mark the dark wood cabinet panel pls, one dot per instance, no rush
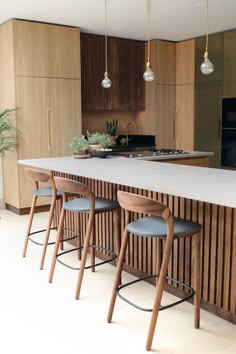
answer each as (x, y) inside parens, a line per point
(125, 67)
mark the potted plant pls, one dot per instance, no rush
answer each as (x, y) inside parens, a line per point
(98, 140)
(112, 127)
(8, 132)
(79, 145)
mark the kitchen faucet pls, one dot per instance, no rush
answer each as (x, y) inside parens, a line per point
(127, 133)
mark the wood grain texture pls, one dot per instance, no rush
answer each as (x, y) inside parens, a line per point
(30, 48)
(63, 52)
(165, 116)
(185, 59)
(218, 248)
(184, 118)
(49, 113)
(125, 68)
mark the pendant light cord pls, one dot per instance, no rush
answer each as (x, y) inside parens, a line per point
(206, 25)
(148, 10)
(106, 35)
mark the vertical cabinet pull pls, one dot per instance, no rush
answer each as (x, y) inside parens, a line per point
(49, 129)
(174, 129)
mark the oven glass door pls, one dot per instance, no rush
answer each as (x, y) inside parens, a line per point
(228, 156)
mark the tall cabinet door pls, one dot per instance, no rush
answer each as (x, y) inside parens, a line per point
(165, 113)
(65, 114)
(33, 103)
(30, 48)
(32, 100)
(64, 52)
(207, 129)
(184, 119)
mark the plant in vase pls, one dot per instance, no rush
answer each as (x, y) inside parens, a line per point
(112, 129)
(8, 132)
(98, 140)
(79, 145)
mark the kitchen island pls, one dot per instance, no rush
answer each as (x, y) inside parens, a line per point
(205, 195)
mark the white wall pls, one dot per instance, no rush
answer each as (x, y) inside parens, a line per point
(1, 188)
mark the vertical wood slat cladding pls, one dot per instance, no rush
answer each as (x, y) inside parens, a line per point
(126, 61)
(218, 247)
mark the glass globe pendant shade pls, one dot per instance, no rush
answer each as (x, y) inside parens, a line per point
(207, 66)
(106, 82)
(148, 74)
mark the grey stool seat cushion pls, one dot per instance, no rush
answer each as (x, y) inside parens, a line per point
(154, 226)
(45, 192)
(82, 205)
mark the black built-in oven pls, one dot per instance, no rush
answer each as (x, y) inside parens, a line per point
(228, 143)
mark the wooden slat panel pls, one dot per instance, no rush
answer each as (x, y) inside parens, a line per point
(233, 268)
(218, 247)
(227, 259)
(220, 258)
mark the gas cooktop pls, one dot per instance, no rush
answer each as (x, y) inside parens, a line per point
(154, 152)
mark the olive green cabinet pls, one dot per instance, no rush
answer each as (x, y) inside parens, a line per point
(207, 124)
(229, 73)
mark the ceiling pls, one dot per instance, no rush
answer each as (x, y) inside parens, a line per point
(172, 20)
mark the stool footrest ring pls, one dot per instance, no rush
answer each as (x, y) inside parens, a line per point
(113, 257)
(53, 242)
(192, 292)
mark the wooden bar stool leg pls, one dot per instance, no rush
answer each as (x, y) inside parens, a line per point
(159, 291)
(196, 246)
(87, 241)
(117, 235)
(46, 239)
(93, 242)
(57, 243)
(118, 274)
(32, 209)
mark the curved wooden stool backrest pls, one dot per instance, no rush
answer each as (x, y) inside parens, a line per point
(37, 176)
(140, 204)
(69, 187)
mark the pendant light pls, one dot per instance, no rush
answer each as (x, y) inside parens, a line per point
(106, 82)
(148, 74)
(207, 66)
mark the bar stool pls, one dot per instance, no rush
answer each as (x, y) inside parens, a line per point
(158, 224)
(87, 203)
(49, 192)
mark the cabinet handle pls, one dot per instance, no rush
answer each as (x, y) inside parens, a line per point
(173, 127)
(49, 129)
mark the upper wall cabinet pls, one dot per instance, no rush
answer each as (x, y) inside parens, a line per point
(126, 62)
(229, 82)
(46, 50)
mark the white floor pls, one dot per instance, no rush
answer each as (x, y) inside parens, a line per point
(38, 317)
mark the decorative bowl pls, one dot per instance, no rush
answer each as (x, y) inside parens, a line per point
(102, 153)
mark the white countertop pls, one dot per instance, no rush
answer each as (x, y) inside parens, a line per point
(211, 185)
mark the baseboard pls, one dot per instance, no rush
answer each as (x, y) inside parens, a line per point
(23, 211)
(2, 204)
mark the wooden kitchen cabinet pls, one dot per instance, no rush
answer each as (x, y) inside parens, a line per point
(165, 117)
(45, 50)
(126, 61)
(199, 98)
(184, 117)
(207, 126)
(47, 95)
(229, 74)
